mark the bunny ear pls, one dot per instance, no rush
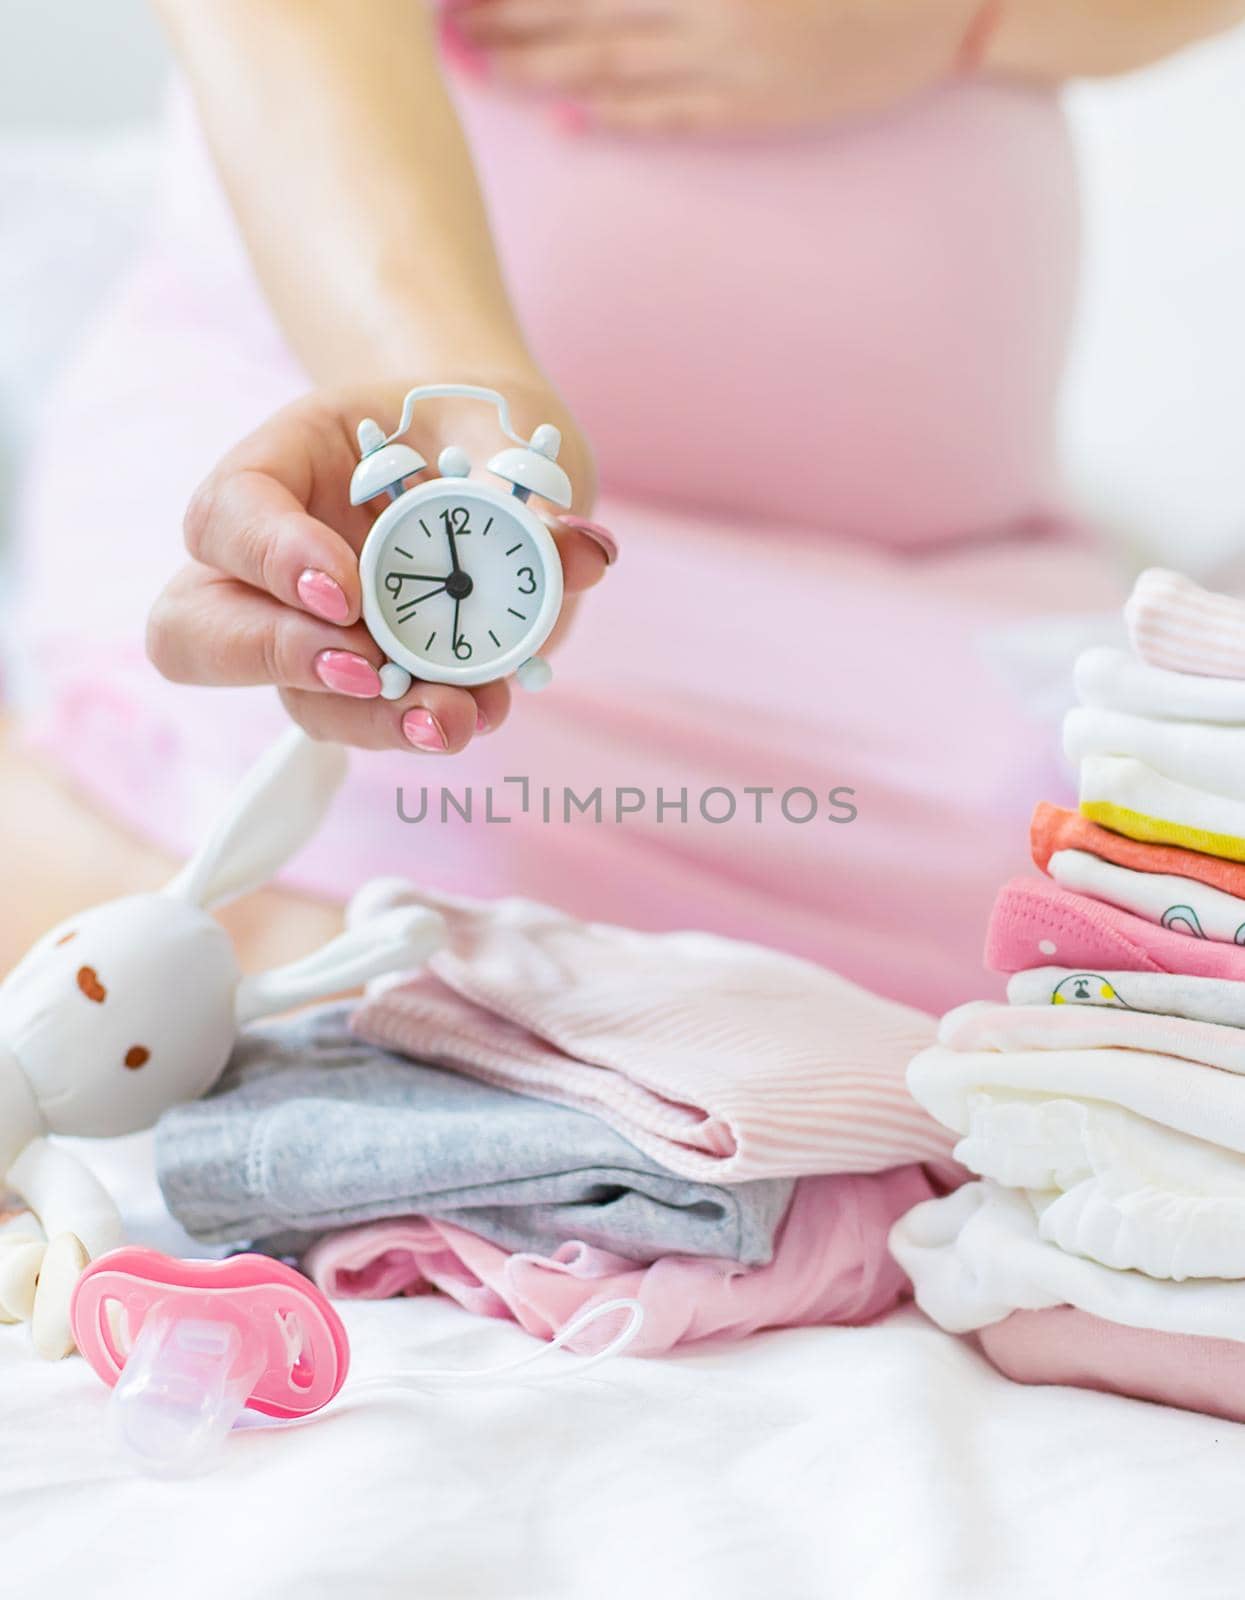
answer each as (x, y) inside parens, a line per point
(379, 895)
(274, 811)
(399, 939)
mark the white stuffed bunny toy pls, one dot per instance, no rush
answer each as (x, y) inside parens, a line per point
(134, 1006)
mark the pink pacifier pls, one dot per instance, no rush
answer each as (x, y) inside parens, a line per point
(186, 1346)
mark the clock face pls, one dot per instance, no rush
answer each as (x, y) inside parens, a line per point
(461, 583)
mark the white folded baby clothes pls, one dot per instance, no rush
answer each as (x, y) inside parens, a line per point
(1201, 754)
(1173, 994)
(985, 1025)
(1174, 622)
(1131, 798)
(1138, 1158)
(1115, 680)
(1103, 1110)
(1207, 1103)
(1181, 904)
(976, 1256)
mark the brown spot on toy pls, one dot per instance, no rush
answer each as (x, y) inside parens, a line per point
(90, 985)
(66, 937)
(137, 1055)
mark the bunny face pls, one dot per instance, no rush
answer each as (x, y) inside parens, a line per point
(121, 1012)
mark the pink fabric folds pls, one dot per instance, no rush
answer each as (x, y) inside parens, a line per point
(1068, 1346)
(830, 1265)
(1036, 924)
(721, 1060)
(1175, 623)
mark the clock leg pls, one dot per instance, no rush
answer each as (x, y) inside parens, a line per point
(394, 681)
(534, 674)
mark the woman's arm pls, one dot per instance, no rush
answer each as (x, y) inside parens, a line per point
(1056, 39)
(351, 179)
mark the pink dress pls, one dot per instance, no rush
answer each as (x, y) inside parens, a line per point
(819, 372)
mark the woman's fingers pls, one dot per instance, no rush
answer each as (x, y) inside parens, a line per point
(208, 628)
(491, 23)
(252, 529)
(248, 524)
(433, 718)
(492, 705)
(585, 548)
(661, 111)
(605, 58)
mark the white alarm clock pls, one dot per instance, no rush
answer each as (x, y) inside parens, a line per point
(461, 579)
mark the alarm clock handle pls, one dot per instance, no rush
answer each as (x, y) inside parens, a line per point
(457, 391)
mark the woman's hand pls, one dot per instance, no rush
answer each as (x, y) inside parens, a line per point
(657, 66)
(271, 592)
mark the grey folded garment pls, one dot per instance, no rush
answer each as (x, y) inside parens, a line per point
(310, 1129)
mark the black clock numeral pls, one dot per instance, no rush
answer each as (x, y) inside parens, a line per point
(526, 572)
(456, 520)
(462, 647)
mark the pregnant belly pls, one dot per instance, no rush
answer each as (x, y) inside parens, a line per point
(861, 332)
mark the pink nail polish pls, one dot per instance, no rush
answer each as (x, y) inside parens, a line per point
(601, 537)
(482, 724)
(346, 673)
(421, 728)
(323, 596)
(569, 118)
(458, 50)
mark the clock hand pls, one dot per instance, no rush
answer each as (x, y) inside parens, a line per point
(395, 579)
(408, 606)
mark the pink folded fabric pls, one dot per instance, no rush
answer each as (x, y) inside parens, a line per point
(1175, 623)
(830, 1265)
(721, 1060)
(1036, 924)
(1068, 1346)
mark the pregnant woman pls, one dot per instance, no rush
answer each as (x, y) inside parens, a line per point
(796, 274)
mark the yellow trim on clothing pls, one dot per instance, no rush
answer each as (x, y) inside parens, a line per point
(1154, 830)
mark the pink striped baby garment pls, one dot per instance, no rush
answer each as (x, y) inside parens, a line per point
(1175, 623)
(830, 1265)
(720, 1059)
(1036, 924)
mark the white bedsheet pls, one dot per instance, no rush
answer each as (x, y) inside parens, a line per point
(880, 1462)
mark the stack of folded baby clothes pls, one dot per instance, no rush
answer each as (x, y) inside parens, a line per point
(555, 1114)
(1103, 1107)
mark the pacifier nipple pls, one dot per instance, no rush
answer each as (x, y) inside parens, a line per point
(184, 1385)
(189, 1345)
